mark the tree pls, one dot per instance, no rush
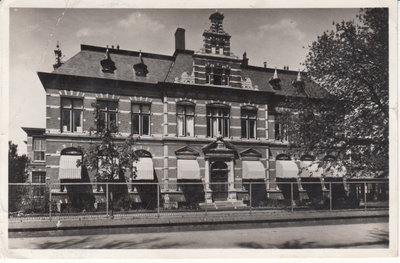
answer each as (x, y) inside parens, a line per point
(111, 158)
(17, 165)
(351, 64)
(17, 173)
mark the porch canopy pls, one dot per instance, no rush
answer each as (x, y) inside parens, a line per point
(188, 169)
(253, 170)
(286, 169)
(144, 169)
(310, 169)
(68, 167)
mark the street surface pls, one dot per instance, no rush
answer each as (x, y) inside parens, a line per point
(372, 235)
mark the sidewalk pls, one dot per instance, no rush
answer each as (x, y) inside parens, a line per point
(209, 220)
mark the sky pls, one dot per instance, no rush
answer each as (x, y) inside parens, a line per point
(278, 36)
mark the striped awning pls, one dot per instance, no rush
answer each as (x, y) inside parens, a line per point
(144, 169)
(286, 169)
(188, 169)
(253, 170)
(68, 167)
(310, 169)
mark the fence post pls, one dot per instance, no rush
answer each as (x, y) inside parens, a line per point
(107, 198)
(49, 202)
(291, 196)
(250, 199)
(330, 196)
(365, 196)
(158, 199)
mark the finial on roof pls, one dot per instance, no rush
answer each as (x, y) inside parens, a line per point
(275, 74)
(58, 55)
(299, 76)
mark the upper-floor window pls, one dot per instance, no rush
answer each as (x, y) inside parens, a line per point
(217, 75)
(281, 133)
(108, 110)
(39, 148)
(185, 118)
(71, 115)
(218, 120)
(141, 119)
(248, 122)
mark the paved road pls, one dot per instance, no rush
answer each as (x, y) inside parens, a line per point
(372, 235)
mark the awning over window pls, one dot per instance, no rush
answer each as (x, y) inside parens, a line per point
(286, 169)
(68, 168)
(334, 170)
(188, 169)
(310, 169)
(144, 169)
(253, 170)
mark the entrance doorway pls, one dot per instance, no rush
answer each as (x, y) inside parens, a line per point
(218, 180)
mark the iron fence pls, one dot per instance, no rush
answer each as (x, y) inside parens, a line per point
(75, 200)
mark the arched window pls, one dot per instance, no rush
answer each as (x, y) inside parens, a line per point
(218, 120)
(69, 168)
(185, 118)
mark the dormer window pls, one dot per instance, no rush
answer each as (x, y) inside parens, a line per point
(275, 81)
(108, 66)
(140, 68)
(208, 74)
(213, 50)
(217, 76)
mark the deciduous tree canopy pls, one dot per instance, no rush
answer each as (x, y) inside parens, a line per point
(351, 64)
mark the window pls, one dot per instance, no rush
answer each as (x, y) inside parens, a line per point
(208, 75)
(218, 121)
(226, 76)
(71, 115)
(281, 132)
(248, 123)
(185, 119)
(39, 149)
(107, 114)
(38, 178)
(141, 119)
(217, 78)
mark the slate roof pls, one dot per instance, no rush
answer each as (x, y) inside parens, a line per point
(87, 63)
(166, 68)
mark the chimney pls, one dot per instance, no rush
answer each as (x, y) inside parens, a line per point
(245, 60)
(265, 64)
(180, 39)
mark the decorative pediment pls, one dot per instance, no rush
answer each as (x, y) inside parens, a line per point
(250, 153)
(140, 68)
(185, 78)
(220, 149)
(247, 84)
(187, 151)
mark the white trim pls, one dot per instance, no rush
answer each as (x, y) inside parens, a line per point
(157, 114)
(235, 127)
(53, 106)
(201, 125)
(52, 166)
(124, 111)
(53, 95)
(125, 100)
(90, 98)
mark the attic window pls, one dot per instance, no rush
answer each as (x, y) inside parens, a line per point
(275, 81)
(140, 68)
(108, 66)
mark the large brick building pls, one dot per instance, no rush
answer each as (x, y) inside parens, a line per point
(203, 116)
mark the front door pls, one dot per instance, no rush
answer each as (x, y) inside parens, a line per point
(219, 180)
